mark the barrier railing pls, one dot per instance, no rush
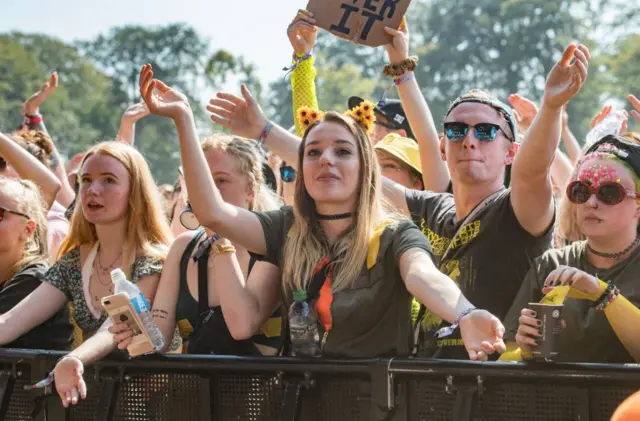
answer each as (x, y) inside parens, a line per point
(205, 388)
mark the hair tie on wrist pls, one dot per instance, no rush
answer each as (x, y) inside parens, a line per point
(398, 69)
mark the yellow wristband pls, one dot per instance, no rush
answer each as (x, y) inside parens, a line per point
(217, 249)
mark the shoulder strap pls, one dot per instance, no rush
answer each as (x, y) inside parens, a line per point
(184, 260)
(317, 282)
(203, 281)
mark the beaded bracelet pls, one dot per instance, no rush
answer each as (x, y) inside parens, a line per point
(398, 69)
(607, 297)
(265, 132)
(404, 78)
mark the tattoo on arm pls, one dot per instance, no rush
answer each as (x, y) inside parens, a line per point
(159, 314)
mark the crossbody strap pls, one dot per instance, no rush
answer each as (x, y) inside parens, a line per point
(203, 280)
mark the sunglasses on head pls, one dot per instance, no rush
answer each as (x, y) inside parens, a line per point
(608, 192)
(5, 210)
(287, 173)
(485, 132)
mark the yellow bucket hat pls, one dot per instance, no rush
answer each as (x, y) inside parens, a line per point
(402, 148)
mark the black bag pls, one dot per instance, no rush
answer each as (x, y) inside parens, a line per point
(211, 335)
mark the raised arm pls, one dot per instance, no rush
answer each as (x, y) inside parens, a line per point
(302, 35)
(28, 167)
(34, 121)
(239, 225)
(435, 175)
(531, 189)
(481, 331)
(127, 131)
(244, 117)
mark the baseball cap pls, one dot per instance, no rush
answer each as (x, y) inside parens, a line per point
(391, 109)
(402, 148)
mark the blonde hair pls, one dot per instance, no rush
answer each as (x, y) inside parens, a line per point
(37, 143)
(250, 164)
(147, 228)
(29, 202)
(307, 244)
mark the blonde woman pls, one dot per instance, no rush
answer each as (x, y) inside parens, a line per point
(376, 265)
(237, 169)
(118, 223)
(23, 262)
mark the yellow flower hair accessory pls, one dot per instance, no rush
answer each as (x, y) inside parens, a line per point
(363, 114)
(307, 115)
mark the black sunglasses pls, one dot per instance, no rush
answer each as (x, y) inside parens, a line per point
(287, 173)
(608, 192)
(485, 132)
(5, 210)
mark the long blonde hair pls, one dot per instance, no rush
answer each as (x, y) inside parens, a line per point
(31, 204)
(147, 228)
(250, 164)
(307, 244)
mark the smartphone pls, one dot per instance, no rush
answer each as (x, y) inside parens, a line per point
(120, 310)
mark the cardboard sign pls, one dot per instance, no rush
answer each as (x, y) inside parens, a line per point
(360, 21)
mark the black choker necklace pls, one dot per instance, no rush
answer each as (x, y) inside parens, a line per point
(618, 255)
(334, 217)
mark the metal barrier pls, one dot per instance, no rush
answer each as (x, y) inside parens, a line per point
(205, 388)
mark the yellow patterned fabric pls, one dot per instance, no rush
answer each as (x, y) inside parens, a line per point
(303, 89)
(78, 336)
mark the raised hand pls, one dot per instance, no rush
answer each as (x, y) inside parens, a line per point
(243, 116)
(567, 76)
(69, 382)
(135, 112)
(398, 50)
(621, 116)
(161, 99)
(32, 105)
(525, 111)
(302, 32)
(636, 104)
(482, 334)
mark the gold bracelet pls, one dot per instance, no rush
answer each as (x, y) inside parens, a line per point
(398, 69)
(217, 249)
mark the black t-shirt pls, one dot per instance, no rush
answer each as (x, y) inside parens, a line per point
(488, 260)
(588, 336)
(54, 334)
(372, 316)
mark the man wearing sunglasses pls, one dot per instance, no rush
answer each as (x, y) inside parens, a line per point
(390, 118)
(485, 235)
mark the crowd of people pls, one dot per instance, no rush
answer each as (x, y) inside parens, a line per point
(398, 235)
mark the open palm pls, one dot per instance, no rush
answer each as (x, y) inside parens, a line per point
(482, 334)
(525, 110)
(69, 382)
(243, 116)
(31, 106)
(567, 76)
(161, 99)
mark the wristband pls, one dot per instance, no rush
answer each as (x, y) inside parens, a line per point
(204, 246)
(607, 297)
(297, 59)
(446, 331)
(33, 119)
(404, 78)
(265, 132)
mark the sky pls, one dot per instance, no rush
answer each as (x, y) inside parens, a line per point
(255, 29)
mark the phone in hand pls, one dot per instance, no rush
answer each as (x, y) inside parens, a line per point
(120, 310)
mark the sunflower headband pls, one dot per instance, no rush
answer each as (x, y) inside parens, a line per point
(362, 113)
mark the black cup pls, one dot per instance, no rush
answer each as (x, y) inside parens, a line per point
(551, 317)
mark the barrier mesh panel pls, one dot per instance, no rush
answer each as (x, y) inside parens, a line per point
(605, 400)
(87, 408)
(20, 403)
(428, 400)
(245, 397)
(332, 399)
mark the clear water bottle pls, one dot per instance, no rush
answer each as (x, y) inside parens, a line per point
(140, 304)
(611, 124)
(303, 327)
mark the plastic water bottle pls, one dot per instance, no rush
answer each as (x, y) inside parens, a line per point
(303, 327)
(611, 124)
(140, 304)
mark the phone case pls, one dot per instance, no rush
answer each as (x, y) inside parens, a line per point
(120, 310)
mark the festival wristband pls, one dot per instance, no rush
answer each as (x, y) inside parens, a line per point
(265, 132)
(447, 331)
(33, 119)
(607, 297)
(404, 78)
(297, 59)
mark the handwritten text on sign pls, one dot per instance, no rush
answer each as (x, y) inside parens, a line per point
(360, 21)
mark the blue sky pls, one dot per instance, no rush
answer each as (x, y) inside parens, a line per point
(255, 29)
